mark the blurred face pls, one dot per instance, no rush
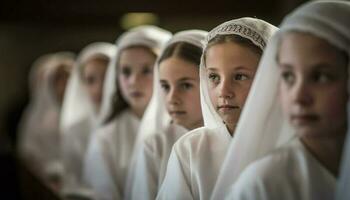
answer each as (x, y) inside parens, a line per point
(60, 79)
(230, 69)
(313, 85)
(93, 78)
(179, 80)
(135, 77)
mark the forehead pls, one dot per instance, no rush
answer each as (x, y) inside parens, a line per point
(174, 68)
(231, 54)
(305, 49)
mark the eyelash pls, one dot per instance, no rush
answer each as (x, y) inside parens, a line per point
(237, 77)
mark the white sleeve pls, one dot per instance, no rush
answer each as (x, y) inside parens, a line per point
(176, 184)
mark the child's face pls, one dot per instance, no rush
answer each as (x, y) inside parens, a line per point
(93, 78)
(230, 69)
(179, 80)
(135, 77)
(313, 85)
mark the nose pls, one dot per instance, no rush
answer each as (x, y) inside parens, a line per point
(226, 89)
(173, 97)
(134, 79)
(302, 94)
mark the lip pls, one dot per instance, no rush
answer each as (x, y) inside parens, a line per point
(304, 119)
(176, 113)
(227, 108)
(136, 94)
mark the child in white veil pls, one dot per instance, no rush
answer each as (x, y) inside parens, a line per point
(128, 89)
(231, 54)
(80, 108)
(180, 58)
(296, 111)
(39, 142)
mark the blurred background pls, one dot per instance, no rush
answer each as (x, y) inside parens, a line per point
(29, 29)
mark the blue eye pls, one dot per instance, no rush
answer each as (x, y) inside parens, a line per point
(241, 77)
(214, 78)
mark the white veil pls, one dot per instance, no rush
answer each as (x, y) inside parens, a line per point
(39, 124)
(156, 117)
(77, 105)
(149, 36)
(257, 31)
(262, 127)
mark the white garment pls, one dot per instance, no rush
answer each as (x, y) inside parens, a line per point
(151, 162)
(343, 192)
(262, 127)
(288, 173)
(157, 134)
(79, 117)
(196, 158)
(110, 152)
(39, 138)
(111, 186)
(194, 164)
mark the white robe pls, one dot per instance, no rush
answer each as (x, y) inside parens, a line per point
(194, 164)
(74, 146)
(289, 173)
(151, 164)
(109, 155)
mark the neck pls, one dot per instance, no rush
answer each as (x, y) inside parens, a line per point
(231, 128)
(138, 112)
(327, 151)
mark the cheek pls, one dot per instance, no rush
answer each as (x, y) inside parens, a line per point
(123, 84)
(212, 95)
(334, 108)
(284, 99)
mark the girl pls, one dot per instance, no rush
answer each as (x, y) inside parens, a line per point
(108, 157)
(302, 115)
(39, 144)
(230, 59)
(174, 109)
(81, 107)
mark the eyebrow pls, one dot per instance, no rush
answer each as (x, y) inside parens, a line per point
(236, 69)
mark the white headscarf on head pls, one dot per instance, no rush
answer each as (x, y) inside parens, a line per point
(39, 131)
(148, 36)
(157, 120)
(261, 127)
(196, 157)
(78, 116)
(111, 147)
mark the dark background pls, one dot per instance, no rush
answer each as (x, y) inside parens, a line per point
(31, 28)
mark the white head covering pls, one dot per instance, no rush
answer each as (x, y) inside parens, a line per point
(262, 127)
(156, 117)
(196, 157)
(257, 31)
(40, 120)
(77, 105)
(103, 180)
(148, 36)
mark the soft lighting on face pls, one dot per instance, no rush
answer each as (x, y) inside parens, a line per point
(130, 20)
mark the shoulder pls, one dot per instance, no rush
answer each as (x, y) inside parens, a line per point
(271, 175)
